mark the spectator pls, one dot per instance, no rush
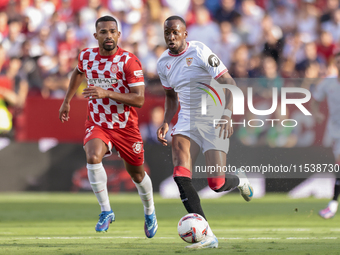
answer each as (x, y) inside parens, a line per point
(30, 69)
(13, 93)
(177, 7)
(252, 16)
(331, 6)
(43, 44)
(271, 78)
(310, 56)
(294, 48)
(66, 13)
(70, 45)
(204, 26)
(325, 46)
(55, 84)
(333, 26)
(283, 16)
(274, 44)
(226, 12)
(38, 14)
(227, 43)
(307, 21)
(12, 43)
(239, 66)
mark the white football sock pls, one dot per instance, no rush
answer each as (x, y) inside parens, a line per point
(241, 176)
(145, 192)
(98, 180)
(333, 206)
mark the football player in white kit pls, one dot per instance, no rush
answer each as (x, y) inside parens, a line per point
(181, 65)
(330, 88)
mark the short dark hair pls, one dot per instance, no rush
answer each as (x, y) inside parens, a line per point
(177, 18)
(106, 18)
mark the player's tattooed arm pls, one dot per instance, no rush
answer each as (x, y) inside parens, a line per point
(134, 98)
(171, 106)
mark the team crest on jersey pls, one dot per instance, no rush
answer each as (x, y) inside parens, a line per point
(137, 147)
(189, 61)
(114, 68)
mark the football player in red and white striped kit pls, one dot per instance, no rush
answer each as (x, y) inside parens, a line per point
(115, 86)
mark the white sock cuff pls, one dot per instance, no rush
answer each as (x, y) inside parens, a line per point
(94, 167)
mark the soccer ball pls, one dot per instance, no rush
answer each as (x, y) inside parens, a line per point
(192, 228)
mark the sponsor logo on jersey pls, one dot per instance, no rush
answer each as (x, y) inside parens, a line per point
(189, 61)
(114, 68)
(138, 73)
(168, 67)
(213, 60)
(103, 82)
(137, 147)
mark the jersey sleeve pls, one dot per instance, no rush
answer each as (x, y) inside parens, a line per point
(163, 78)
(133, 72)
(319, 92)
(80, 61)
(211, 63)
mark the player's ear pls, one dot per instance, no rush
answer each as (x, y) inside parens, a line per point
(118, 34)
(185, 34)
(95, 36)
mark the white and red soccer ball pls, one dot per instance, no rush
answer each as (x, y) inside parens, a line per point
(192, 228)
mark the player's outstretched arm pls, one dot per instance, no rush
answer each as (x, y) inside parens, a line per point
(134, 98)
(171, 106)
(76, 79)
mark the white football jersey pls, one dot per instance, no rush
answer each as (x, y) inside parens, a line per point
(330, 88)
(189, 74)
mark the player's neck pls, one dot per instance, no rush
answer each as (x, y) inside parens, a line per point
(106, 53)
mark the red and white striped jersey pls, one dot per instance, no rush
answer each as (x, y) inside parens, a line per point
(118, 72)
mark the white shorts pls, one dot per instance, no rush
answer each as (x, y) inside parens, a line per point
(207, 137)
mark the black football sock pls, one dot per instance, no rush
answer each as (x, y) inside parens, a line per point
(231, 182)
(336, 189)
(189, 196)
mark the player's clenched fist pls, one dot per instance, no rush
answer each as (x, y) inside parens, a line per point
(161, 132)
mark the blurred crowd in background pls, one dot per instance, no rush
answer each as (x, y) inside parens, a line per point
(265, 39)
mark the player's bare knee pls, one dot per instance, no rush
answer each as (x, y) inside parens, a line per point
(137, 177)
(93, 158)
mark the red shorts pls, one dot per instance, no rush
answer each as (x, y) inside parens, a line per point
(127, 141)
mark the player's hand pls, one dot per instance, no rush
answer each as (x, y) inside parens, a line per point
(226, 129)
(64, 112)
(94, 92)
(161, 132)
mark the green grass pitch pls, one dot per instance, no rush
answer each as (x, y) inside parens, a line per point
(63, 223)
